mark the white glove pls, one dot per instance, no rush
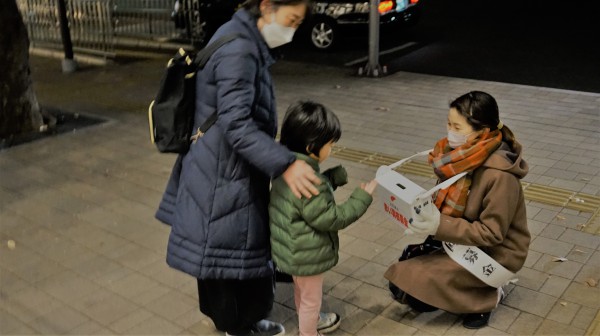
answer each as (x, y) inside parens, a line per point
(425, 220)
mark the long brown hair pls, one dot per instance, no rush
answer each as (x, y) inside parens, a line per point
(481, 111)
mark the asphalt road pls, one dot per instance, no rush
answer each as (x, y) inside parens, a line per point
(546, 43)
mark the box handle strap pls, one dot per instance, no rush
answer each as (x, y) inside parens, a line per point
(442, 185)
(399, 163)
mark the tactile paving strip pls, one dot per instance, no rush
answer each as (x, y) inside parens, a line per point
(534, 192)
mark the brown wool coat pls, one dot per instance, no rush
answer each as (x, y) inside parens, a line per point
(494, 220)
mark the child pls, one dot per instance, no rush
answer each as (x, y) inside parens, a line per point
(304, 238)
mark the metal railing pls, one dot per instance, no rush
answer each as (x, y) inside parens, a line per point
(97, 25)
(90, 23)
(144, 18)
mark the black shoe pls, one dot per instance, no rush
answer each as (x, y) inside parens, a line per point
(268, 328)
(476, 321)
(419, 305)
(262, 328)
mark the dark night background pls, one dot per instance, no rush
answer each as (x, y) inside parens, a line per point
(547, 43)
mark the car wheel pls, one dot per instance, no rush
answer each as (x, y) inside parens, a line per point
(323, 34)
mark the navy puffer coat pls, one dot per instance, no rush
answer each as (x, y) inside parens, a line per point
(218, 193)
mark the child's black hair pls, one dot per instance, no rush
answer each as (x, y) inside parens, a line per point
(308, 126)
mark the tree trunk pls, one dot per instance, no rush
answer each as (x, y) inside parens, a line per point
(19, 108)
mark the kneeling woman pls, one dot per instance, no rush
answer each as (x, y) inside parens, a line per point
(485, 209)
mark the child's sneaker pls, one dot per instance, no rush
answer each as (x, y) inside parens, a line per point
(328, 322)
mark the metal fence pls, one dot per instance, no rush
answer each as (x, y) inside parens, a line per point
(90, 22)
(144, 18)
(159, 19)
(95, 25)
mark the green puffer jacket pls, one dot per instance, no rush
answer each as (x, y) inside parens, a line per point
(304, 239)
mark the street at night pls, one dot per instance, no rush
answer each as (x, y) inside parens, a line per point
(102, 232)
(539, 43)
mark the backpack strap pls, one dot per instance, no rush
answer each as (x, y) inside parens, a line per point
(205, 126)
(199, 62)
(203, 56)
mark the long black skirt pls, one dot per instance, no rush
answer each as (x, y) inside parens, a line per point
(236, 305)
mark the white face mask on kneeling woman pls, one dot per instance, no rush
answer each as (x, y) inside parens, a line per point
(456, 139)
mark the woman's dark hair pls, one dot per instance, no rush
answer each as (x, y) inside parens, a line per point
(481, 111)
(308, 126)
(253, 6)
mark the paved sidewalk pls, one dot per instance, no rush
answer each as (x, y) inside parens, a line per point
(80, 251)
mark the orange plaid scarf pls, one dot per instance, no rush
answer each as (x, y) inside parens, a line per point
(447, 162)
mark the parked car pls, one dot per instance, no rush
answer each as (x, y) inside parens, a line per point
(328, 21)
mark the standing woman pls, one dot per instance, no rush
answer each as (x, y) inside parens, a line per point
(217, 197)
(483, 209)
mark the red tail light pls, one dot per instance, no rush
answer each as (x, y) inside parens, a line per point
(412, 2)
(386, 6)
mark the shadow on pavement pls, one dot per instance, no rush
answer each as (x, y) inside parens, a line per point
(65, 122)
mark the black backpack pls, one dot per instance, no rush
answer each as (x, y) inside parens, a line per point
(171, 114)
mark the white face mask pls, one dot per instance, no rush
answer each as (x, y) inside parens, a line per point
(457, 139)
(276, 34)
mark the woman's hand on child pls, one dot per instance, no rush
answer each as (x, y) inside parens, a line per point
(369, 187)
(301, 179)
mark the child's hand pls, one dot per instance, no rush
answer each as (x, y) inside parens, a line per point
(369, 187)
